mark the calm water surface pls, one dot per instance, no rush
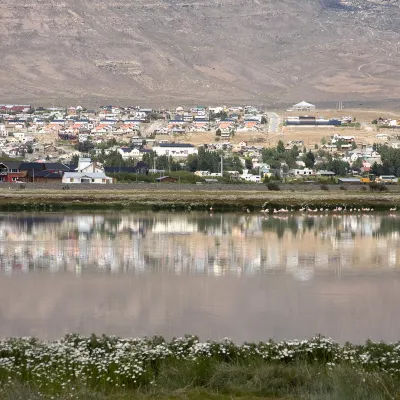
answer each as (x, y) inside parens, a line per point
(248, 277)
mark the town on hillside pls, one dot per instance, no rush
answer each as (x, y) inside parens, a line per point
(199, 144)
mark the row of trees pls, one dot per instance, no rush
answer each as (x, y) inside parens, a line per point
(211, 161)
(390, 161)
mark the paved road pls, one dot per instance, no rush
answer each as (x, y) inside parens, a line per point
(273, 125)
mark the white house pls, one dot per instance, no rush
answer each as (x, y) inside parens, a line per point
(86, 177)
(250, 177)
(87, 172)
(303, 106)
(175, 150)
(301, 172)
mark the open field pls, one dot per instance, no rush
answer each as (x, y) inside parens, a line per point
(366, 134)
(202, 197)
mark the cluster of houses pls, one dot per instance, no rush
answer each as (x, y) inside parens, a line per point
(226, 121)
(22, 128)
(86, 171)
(130, 131)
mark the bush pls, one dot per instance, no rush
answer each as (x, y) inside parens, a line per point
(273, 186)
(364, 188)
(377, 187)
(342, 187)
(324, 187)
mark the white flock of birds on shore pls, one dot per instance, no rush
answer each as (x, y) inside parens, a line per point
(315, 210)
(306, 209)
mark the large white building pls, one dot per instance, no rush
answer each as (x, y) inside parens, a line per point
(175, 150)
(303, 106)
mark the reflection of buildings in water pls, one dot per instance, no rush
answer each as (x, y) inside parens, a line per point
(198, 243)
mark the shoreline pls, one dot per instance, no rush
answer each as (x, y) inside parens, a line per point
(188, 198)
(109, 367)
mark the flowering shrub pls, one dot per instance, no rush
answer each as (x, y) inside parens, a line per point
(107, 362)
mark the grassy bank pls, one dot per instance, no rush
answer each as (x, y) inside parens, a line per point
(187, 198)
(113, 368)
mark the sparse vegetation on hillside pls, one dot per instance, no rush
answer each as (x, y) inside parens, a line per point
(179, 68)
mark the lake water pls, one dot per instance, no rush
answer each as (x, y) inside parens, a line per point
(244, 276)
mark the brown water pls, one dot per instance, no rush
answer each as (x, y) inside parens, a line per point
(248, 277)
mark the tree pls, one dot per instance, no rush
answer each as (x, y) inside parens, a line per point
(29, 149)
(84, 147)
(358, 164)
(192, 162)
(75, 159)
(162, 162)
(309, 159)
(148, 158)
(281, 147)
(323, 141)
(233, 164)
(221, 116)
(264, 120)
(339, 167)
(218, 132)
(248, 163)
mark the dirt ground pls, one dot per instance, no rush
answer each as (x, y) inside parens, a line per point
(366, 134)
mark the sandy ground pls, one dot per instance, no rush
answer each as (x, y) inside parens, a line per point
(366, 134)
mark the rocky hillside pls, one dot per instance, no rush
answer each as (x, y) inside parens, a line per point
(180, 51)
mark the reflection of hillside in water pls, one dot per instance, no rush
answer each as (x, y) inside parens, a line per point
(199, 243)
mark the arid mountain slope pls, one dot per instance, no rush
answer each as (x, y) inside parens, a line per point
(177, 51)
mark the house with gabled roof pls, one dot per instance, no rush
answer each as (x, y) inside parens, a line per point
(9, 171)
(88, 172)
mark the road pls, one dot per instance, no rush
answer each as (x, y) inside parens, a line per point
(273, 122)
(152, 127)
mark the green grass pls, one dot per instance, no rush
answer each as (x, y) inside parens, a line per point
(225, 382)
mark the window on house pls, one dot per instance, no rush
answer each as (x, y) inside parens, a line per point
(71, 179)
(103, 180)
(14, 179)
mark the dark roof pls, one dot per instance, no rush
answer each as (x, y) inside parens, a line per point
(113, 170)
(175, 145)
(11, 164)
(126, 149)
(44, 174)
(142, 164)
(56, 167)
(72, 167)
(25, 166)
